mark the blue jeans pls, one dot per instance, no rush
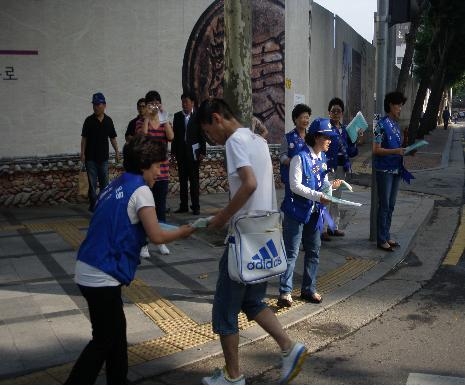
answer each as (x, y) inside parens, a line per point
(293, 233)
(96, 171)
(231, 297)
(160, 191)
(388, 186)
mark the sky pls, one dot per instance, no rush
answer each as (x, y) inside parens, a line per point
(357, 13)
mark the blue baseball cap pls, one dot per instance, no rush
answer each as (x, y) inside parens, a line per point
(98, 98)
(321, 126)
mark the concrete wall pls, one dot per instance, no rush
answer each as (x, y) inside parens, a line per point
(297, 58)
(122, 48)
(329, 33)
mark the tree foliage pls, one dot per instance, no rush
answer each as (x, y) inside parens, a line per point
(439, 59)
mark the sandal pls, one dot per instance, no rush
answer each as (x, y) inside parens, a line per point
(393, 243)
(385, 246)
(314, 298)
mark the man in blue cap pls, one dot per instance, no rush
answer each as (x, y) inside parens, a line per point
(96, 131)
(305, 212)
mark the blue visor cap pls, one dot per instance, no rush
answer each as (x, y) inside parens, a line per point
(321, 126)
(98, 98)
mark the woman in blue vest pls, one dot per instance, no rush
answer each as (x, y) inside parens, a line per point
(305, 212)
(294, 141)
(388, 161)
(109, 255)
(340, 151)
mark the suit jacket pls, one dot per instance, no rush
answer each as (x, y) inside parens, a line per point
(182, 143)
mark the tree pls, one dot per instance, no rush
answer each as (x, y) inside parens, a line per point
(410, 39)
(438, 63)
(237, 89)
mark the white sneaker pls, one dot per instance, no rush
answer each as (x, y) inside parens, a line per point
(163, 249)
(144, 252)
(219, 378)
(292, 363)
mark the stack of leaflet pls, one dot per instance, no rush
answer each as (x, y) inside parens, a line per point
(357, 123)
(416, 145)
(327, 190)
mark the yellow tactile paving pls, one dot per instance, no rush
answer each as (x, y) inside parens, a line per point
(456, 251)
(134, 359)
(39, 378)
(206, 330)
(166, 315)
(186, 339)
(9, 227)
(60, 373)
(153, 349)
(79, 222)
(343, 274)
(69, 233)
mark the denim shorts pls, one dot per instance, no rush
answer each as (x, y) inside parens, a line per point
(231, 297)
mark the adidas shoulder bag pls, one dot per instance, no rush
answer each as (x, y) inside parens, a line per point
(256, 247)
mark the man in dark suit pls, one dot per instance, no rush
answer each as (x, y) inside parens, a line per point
(189, 148)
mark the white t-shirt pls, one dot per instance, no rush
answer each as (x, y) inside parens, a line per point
(243, 148)
(87, 275)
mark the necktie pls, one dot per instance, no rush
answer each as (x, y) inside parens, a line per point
(186, 121)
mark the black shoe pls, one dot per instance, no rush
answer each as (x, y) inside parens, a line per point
(196, 212)
(181, 210)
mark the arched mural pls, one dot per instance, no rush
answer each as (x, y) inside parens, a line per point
(203, 65)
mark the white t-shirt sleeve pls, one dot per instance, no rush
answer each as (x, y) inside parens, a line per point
(236, 154)
(295, 181)
(142, 197)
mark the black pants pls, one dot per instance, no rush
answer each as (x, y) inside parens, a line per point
(108, 342)
(160, 192)
(189, 171)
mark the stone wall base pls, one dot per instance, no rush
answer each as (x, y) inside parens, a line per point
(29, 182)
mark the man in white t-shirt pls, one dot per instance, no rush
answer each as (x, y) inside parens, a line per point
(250, 178)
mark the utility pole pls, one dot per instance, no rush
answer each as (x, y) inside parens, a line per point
(237, 87)
(381, 25)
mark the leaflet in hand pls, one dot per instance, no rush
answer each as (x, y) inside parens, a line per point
(358, 122)
(341, 201)
(346, 185)
(201, 222)
(415, 146)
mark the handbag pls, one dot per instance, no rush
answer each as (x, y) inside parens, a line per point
(83, 182)
(256, 249)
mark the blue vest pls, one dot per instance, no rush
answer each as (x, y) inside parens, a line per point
(295, 144)
(340, 144)
(313, 174)
(391, 140)
(113, 244)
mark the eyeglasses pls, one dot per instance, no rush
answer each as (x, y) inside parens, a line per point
(336, 111)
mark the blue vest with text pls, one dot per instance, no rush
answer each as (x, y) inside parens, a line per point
(313, 174)
(295, 144)
(340, 150)
(391, 140)
(113, 243)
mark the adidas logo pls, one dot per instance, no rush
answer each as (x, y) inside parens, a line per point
(266, 258)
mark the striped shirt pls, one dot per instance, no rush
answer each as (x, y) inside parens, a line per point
(160, 135)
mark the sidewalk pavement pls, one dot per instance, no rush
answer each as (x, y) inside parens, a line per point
(44, 319)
